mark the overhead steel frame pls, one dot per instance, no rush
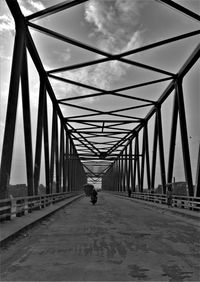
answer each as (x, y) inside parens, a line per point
(178, 109)
(63, 163)
(128, 167)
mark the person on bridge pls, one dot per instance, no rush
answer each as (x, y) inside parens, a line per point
(129, 192)
(94, 196)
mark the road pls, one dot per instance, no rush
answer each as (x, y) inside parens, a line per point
(115, 240)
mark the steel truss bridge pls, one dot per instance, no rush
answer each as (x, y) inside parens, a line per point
(98, 144)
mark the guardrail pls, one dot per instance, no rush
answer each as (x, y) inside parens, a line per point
(19, 206)
(183, 202)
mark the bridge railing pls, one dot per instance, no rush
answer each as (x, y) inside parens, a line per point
(19, 206)
(183, 202)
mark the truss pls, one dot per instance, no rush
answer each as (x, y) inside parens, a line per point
(96, 134)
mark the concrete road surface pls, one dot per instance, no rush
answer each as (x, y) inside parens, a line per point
(115, 240)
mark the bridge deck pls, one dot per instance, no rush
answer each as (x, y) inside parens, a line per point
(116, 240)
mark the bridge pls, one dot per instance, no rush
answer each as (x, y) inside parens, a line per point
(100, 93)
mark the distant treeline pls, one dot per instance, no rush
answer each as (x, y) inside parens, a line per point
(20, 190)
(179, 189)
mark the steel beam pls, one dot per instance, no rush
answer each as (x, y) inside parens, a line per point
(57, 157)
(38, 148)
(197, 190)
(143, 158)
(46, 145)
(181, 9)
(9, 132)
(53, 144)
(55, 9)
(184, 137)
(62, 182)
(172, 140)
(161, 43)
(130, 167)
(161, 149)
(27, 125)
(154, 154)
(69, 40)
(147, 157)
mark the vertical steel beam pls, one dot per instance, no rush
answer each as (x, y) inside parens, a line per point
(125, 170)
(9, 132)
(46, 145)
(119, 174)
(27, 125)
(39, 136)
(67, 161)
(64, 163)
(143, 158)
(57, 156)
(130, 165)
(138, 163)
(61, 156)
(70, 166)
(172, 140)
(161, 149)
(135, 167)
(197, 192)
(184, 137)
(147, 157)
(154, 154)
(53, 141)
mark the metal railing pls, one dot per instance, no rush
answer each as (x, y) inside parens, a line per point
(182, 202)
(19, 206)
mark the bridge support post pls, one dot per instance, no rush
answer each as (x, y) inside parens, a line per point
(143, 159)
(147, 156)
(130, 167)
(138, 163)
(9, 132)
(119, 174)
(125, 170)
(197, 193)
(46, 145)
(38, 148)
(184, 137)
(67, 161)
(161, 149)
(153, 167)
(27, 125)
(173, 140)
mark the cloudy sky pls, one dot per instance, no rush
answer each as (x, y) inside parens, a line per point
(113, 26)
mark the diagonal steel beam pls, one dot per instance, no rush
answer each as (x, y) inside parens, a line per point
(95, 50)
(181, 9)
(55, 9)
(160, 43)
(127, 53)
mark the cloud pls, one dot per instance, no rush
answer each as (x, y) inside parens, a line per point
(6, 23)
(116, 27)
(27, 7)
(116, 22)
(30, 6)
(63, 55)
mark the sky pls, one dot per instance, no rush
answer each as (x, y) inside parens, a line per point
(114, 26)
